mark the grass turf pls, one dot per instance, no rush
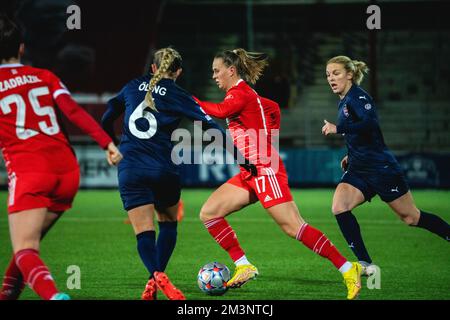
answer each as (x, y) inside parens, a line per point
(92, 235)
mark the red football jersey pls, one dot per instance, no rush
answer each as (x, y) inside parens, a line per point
(31, 138)
(252, 121)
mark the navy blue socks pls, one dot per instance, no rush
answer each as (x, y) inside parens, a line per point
(147, 250)
(434, 224)
(167, 238)
(352, 233)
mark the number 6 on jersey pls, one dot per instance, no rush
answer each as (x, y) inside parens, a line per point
(140, 113)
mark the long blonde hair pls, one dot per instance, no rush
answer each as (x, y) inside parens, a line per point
(358, 68)
(168, 61)
(249, 65)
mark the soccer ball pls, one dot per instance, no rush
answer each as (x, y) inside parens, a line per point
(212, 278)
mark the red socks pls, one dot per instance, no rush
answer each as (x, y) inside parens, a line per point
(13, 283)
(36, 273)
(316, 241)
(312, 238)
(225, 237)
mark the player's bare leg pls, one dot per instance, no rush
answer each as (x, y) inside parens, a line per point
(405, 208)
(180, 213)
(26, 229)
(13, 282)
(50, 219)
(345, 199)
(141, 218)
(169, 214)
(225, 200)
(127, 220)
(288, 218)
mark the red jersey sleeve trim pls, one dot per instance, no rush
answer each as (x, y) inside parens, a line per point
(60, 91)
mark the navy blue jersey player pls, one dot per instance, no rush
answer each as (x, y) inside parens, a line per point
(369, 167)
(148, 178)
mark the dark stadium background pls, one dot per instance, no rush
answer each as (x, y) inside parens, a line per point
(409, 76)
(409, 79)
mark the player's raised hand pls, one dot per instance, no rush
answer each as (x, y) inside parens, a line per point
(113, 155)
(328, 128)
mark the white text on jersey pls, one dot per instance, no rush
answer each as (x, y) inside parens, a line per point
(17, 81)
(157, 89)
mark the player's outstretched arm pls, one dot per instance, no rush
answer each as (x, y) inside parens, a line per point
(82, 120)
(233, 103)
(193, 112)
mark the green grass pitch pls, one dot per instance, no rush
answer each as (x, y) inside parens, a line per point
(414, 263)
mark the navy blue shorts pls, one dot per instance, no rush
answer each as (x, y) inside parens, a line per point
(389, 184)
(139, 187)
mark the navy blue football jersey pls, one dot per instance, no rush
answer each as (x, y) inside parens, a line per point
(358, 121)
(146, 134)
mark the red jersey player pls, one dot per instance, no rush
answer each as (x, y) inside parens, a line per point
(43, 173)
(252, 120)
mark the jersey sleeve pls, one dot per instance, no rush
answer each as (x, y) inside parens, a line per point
(233, 103)
(83, 120)
(114, 109)
(192, 110)
(364, 111)
(55, 85)
(76, 114)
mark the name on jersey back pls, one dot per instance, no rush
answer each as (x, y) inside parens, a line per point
(157, 89)
(18, 81)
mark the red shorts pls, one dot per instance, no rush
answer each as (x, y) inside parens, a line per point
(29, 190)
(270, 188)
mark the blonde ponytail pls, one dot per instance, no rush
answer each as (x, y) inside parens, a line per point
(166, 60)
(358, 68)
